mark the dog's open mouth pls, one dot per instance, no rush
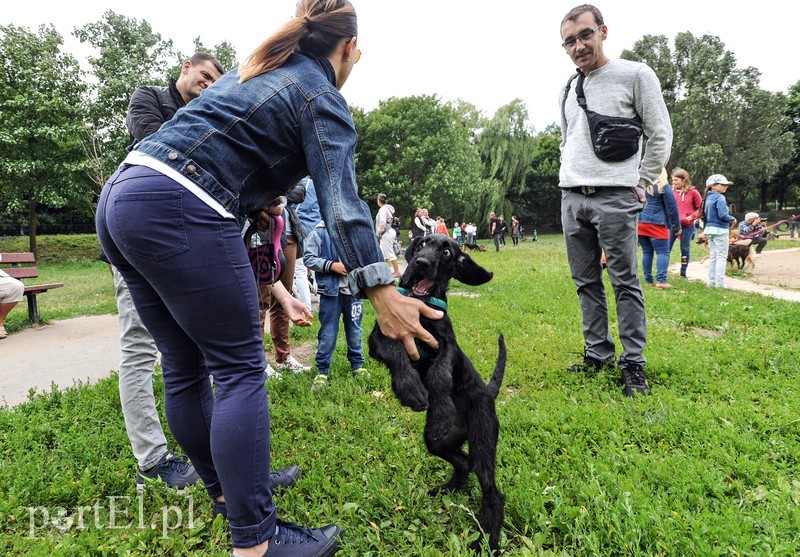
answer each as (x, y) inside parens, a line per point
(422, 287)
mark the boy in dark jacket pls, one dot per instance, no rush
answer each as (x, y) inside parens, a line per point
(335, 299)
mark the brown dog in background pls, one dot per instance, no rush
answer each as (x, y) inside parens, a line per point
(740, 252)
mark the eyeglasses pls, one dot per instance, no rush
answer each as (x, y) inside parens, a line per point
(583, 37)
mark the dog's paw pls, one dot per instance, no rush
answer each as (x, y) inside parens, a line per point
(411, 394)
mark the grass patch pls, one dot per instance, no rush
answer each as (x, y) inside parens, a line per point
(707, 465)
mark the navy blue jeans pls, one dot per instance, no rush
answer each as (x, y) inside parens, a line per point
(192, 284)
(687, 234)
(659, 247)
(351, 311)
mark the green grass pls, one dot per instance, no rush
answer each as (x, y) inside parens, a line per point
(707, 465)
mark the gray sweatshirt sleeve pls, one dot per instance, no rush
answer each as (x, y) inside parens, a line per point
(657, 126)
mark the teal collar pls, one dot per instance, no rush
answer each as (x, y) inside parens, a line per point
(435, 302)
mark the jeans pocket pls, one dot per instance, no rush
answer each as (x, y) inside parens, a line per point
(151, 224)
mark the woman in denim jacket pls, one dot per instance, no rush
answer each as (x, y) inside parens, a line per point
(171, 220)
(658, 218)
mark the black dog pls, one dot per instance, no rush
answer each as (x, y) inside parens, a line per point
(461, 407)
(474, 247)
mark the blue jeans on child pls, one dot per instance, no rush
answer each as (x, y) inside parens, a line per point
(659, 247)
(351, 311)
(687, 234)
(191, 281)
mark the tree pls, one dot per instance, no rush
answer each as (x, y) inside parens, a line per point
(507, 150)
(722, 120)
(787, 180)
(42, 99)
(130, 54)
(418, 152)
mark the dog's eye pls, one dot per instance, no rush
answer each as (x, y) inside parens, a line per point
(447, 252)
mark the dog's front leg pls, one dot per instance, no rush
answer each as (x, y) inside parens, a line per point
(406, 382)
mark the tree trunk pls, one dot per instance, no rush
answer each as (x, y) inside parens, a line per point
(32, 226)
(763, 188)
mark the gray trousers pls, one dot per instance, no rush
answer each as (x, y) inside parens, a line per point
(606, 221)
(136, 369)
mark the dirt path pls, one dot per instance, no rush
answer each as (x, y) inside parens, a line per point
(777, 274)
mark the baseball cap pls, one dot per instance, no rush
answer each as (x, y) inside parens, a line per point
(717, 179)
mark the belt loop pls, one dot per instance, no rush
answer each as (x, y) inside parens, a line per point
(588, 190)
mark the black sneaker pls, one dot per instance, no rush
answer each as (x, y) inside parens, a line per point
(633, 378)
(280, 479)
(590, 364)
(287, 477)
(172, 470)
(291, 540)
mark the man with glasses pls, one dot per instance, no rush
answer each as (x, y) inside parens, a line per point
(601, 200)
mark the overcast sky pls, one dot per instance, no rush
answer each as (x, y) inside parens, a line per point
(508, 49)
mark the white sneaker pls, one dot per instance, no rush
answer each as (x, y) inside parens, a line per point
(272, 373)
(293, 365)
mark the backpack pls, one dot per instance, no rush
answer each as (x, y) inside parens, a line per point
(396, 223)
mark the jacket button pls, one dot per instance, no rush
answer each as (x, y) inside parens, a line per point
(172, 155)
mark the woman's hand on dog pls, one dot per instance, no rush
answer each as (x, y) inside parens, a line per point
(398, 317)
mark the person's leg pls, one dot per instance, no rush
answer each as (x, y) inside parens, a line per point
(278, 319)
(352, 313)
(496, 238)
(759, 242)
(687, 233)
(328, 332)
(661, 247)
(718, 261)
(301, 282)
(187, 243)
(617, 213)
(583, 255)
(11, 291)
(136, 366)
(647, 259)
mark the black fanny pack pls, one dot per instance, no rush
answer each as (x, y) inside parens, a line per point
(614, 138)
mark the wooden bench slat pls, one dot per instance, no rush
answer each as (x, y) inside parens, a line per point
(25, 257)
(36, 288)
(21, 272)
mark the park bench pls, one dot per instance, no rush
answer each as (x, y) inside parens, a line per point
(22, 266)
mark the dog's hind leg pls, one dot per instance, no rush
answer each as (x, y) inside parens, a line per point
(449, 449)
(483, 435)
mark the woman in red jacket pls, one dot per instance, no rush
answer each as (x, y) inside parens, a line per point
(689, 201)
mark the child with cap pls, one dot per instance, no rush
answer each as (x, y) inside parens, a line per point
(718, 223)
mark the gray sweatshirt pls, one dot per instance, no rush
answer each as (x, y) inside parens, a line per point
(618, 88)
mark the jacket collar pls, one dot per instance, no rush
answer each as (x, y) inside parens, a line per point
(324, 64)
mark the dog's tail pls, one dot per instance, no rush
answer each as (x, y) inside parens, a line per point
(499, 368)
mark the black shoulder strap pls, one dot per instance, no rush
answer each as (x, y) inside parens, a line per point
(578, 90)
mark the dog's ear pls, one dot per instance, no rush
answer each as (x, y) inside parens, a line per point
(413, 247)
(469, 272)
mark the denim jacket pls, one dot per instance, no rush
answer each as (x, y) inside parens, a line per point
(319, 255)
(716, 211)
(247, 143)
(661, 209)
